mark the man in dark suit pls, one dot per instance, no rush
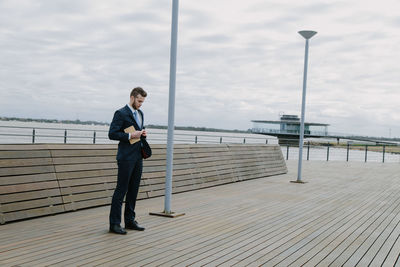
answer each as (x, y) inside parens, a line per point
(130, 161)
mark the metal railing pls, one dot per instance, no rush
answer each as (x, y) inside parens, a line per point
(18, 134)
(312, 151)
(343, 152)
(326, 134)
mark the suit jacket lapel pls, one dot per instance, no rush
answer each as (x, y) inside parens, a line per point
(129, 112)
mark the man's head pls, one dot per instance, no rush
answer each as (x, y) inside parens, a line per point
(138, 96)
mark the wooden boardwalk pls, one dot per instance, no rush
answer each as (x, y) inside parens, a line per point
(348, 214)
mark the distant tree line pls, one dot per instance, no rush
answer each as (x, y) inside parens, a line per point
(53, 121)
(192, 128)
(374, 138)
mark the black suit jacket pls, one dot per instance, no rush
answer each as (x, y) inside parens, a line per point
(123, 118)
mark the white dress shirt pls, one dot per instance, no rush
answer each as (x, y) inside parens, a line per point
(139, 116)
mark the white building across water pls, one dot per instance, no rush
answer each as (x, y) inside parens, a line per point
(287, 129)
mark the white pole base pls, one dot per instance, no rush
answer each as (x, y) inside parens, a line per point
(169, 214)
(298, 182)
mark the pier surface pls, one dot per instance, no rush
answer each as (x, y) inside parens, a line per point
(346, 214)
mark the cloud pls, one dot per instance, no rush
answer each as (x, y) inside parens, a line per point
(237, 61)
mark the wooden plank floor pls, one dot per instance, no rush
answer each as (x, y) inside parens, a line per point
(347, 214)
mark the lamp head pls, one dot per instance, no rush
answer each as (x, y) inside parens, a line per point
(307, 34)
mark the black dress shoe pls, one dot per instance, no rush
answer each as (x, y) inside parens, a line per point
(134, 226)
(117, 229)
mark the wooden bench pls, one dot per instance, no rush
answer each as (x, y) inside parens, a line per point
(86, 174)
(28, 183)
(37, 180)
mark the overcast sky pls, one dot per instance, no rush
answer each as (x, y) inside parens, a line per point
(237, 61)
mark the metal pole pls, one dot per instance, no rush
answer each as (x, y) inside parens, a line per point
(94, 137)
(384, 148)
(287, 152)
(366, 152)
(33, 136)
(307, 35)
(348, 148)
(171, 107)
(327, 153)
(308, 151)
(65, 136)
(303, 109)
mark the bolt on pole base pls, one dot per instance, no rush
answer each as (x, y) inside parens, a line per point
(298, 182)
(167, 214)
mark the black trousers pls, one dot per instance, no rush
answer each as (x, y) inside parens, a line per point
(129, 175)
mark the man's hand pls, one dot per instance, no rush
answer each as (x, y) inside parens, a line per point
(136, 134)
(144, 133)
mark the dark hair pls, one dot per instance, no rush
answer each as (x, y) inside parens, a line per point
(138, 91)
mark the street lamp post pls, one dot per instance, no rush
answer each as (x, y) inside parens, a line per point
(307, 35)
(171, 116)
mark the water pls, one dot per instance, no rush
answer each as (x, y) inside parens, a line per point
(21, 133)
